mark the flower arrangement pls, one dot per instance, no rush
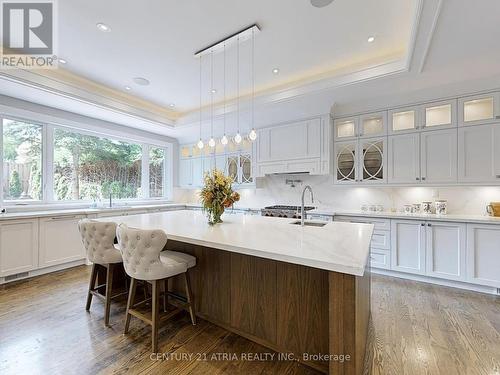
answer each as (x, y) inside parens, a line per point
(217, 194)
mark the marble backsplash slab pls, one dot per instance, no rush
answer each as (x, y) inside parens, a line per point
(273, 190)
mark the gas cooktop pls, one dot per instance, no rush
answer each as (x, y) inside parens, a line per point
(284, 211)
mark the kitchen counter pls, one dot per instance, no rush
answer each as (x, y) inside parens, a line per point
(339, 247)
(462, 218)
(83, 211)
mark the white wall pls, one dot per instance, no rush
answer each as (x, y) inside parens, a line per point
(461, 200)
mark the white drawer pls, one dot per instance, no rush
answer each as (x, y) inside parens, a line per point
(381, 239)
(380, 224)
(380, 258)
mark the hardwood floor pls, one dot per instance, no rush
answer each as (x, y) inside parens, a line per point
(417, 329)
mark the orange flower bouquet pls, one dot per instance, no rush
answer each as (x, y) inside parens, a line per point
(217, 195)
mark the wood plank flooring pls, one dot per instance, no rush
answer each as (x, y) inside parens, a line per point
(417, 329)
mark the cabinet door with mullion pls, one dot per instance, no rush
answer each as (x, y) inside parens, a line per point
(372, 160)
(346, 162)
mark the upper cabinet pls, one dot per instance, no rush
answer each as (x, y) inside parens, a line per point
(364, 126)
(479, 109)
(439, 115)
(403, 120)
(297, 147)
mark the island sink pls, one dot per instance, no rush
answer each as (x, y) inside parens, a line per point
(309, 224)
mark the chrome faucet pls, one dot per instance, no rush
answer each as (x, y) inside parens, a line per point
(302, 213)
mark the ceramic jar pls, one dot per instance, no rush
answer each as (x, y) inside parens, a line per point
(427, 207)
(441, 207)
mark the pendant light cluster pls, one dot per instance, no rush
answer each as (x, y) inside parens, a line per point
(248, 33)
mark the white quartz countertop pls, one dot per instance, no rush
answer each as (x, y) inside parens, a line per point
(337, 246)
(462, 218)
(81, 211)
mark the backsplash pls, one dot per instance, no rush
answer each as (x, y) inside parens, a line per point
(273, 190)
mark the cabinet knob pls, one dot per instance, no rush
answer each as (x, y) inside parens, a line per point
(429, 224)
(498, 175)
(417, 178)
(422, 224)
(423, 178)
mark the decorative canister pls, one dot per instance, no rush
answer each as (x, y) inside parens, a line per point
(408, 208)
(416, 208)
(380, 208)
(427, 207)
(441, 207)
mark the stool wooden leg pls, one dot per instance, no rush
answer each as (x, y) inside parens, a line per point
(130, 302)
(109, 287)
(155, 314)
(189, 297)
(165, 291)
(93, 276)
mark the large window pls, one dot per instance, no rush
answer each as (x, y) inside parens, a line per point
(22, 161)
(92, 168)
(156, 172)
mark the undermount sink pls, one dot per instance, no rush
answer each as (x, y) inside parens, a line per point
(309, 223)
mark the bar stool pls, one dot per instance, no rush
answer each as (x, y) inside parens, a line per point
(142, 261)
(98, 240)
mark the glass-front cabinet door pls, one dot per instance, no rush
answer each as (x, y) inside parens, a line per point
(373, 160)
(373, 124)
(479, 109)
(232, 167)
(403, 120)
(345, 128)
(346, 162)
(439, 115)
(246, 169)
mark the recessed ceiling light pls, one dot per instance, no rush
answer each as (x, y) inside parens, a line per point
(371, 39)
(62, 61)
(127, 88)
(213, 91)
(321, 3)
(141, 81)
(171, 105)
(276, 71)
(103, 27)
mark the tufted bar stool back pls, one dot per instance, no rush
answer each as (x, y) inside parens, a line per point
(98, 240)
(140, 250)
(141, 254)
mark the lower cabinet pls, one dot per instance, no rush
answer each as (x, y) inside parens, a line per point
(483, 254)
(408, 246)
(60, 241)
(18, 246)
(445, 250)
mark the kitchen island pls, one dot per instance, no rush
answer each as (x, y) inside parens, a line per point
(301, 291)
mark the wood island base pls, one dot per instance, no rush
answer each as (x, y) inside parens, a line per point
(318, 317)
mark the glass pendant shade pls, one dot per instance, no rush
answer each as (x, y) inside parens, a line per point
(252, 135)
(237, 138)
(211, 142)
(224, 140)
(200, 144)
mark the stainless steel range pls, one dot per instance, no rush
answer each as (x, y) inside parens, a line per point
(292, 212)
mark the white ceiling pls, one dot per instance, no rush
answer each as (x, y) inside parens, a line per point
(156, 39)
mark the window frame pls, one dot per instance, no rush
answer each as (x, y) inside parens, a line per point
(47, 164)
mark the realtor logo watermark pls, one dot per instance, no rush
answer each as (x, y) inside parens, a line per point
(28, 35)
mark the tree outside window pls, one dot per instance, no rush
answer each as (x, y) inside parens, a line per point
(156, 171)
(93, 168)
(22, 161)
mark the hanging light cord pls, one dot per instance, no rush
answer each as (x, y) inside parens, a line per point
(200, 96)
(212, 95)
(253, 76)
(238, 83)
(224, 89)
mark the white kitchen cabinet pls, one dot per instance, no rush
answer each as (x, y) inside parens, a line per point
(479, 153)
(445, 250)
(346, 162)
(479, 109)
(403, 120)
(372, 125)
(439, 115)
(18, 246)
(408, 246)
(60, 240)
(483, 254)
(403, 159)
(346, 128)
(372, 159)
(186, 172)
(438, 156)
(197, 165)
(380, 258)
